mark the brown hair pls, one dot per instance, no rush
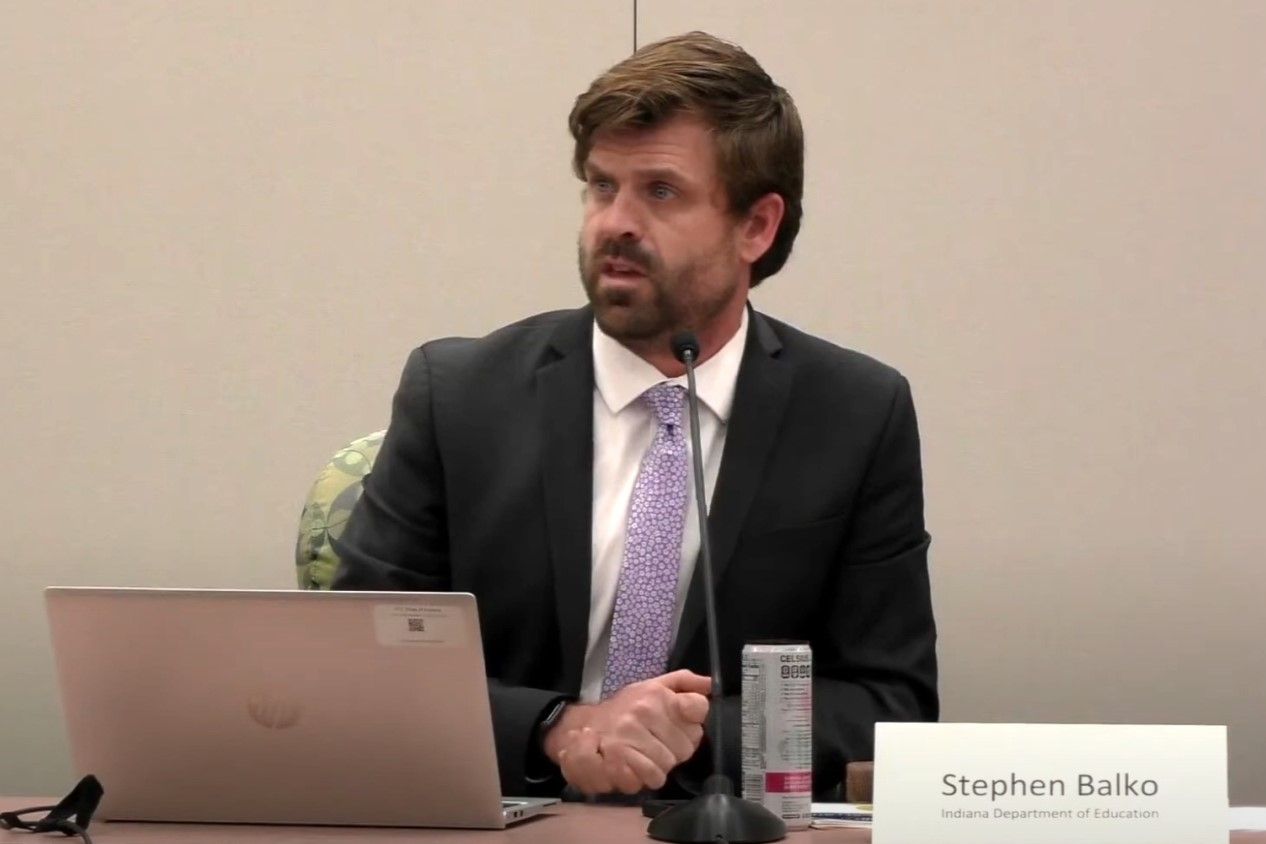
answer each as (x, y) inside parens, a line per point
(756, 128)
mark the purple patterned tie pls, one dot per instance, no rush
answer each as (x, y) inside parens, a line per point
(646, 594)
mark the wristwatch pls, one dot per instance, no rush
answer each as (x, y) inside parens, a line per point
(538, 768)
(550, 719)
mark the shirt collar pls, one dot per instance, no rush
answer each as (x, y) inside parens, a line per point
(621, 376)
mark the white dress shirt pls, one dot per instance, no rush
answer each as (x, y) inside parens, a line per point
(622, 431)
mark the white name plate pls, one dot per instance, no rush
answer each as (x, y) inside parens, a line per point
(1049, 784)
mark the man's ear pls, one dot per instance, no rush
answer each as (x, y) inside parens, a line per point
(760, 226)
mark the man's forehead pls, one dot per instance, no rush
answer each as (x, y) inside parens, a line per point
(682, 143)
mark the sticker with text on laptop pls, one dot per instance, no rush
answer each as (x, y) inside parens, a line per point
(419, 624)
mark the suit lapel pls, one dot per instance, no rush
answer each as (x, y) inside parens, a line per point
(760, 397)
(565, 422)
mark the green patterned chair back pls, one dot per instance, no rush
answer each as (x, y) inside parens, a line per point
(328, 506)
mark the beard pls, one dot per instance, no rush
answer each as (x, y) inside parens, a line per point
(666, 300)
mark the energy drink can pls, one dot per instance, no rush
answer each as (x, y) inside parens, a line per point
(778, 729)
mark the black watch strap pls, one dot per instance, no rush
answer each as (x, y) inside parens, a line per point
(551, 717)
(538, 768)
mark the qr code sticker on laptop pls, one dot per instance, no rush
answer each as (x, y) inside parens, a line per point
(416, 625)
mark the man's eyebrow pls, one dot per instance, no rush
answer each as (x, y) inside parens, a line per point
(593, 171)
(664, 174)
(653, 174)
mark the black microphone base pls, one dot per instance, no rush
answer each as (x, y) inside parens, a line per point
(715, 816)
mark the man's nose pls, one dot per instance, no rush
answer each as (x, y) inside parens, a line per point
(621, 218)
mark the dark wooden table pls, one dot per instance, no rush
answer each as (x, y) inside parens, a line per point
(570, 823)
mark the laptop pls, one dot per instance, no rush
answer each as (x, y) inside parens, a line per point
(281, 707)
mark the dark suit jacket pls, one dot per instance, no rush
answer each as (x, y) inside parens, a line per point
(484, 485)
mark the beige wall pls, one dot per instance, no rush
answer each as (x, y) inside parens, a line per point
(223, 226)
(1052, 217)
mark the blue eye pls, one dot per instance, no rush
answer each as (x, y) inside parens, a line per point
(662, 191)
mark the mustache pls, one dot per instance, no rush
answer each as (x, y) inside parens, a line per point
(626, 250)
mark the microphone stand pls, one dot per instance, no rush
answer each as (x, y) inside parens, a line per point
(718, 814)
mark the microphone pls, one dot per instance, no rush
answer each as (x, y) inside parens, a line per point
(686, 350)
(717, 814)
(686, 343)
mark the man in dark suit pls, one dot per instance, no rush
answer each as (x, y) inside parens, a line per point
(544, 467)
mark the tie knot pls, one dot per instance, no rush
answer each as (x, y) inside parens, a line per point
(667, 400)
